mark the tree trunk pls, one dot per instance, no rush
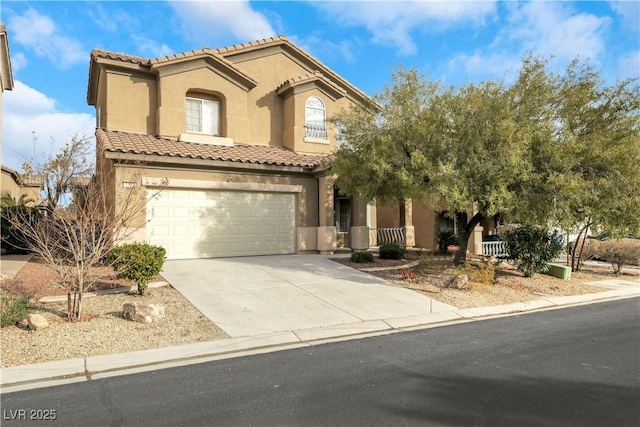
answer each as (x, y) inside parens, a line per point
(464, 234)
(576, 257)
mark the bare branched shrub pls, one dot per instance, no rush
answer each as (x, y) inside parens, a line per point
(71, 240)
(619, 253)
(590, 249)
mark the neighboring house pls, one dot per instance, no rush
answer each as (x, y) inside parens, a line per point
(6, 76)
(13, 184)
(238, 143)
(16, 185)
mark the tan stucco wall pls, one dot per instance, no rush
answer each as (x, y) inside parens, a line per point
(387, 216)
(424, 221)
(130, 101)
(146, 103)
(9, 187)
(172, 92)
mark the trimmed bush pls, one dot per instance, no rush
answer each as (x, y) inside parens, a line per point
(391, 251)
(13, 308)
(531, 248)
(619, 253)
(361, 257)
(137, 262)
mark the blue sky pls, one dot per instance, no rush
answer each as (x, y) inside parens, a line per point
(454, 42)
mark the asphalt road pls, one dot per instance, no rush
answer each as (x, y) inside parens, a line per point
(577, 366)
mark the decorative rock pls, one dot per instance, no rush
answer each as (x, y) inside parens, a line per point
(460, 282)
(143, 313)
(36, 322)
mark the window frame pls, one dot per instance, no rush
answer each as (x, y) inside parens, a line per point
(215, 128)
(315, 128)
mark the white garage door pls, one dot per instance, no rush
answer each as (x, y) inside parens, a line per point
(203, 224)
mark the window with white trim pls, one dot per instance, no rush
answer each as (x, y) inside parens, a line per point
(203, 116)
(315, 118)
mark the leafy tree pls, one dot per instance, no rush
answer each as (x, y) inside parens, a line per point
(59, 170)
(544, 148)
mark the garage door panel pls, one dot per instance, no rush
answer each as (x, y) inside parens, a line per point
(194, 223)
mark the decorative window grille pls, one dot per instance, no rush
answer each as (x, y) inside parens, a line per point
(315, 118)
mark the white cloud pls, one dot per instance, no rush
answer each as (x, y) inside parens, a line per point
(484, 65)
(39, 33)
(27, 111)
(548, 29)
(630, 13)
(629, 65)
(151, 48)
(555, 29)
(323, 48)
(18, 61)
(205, 22)
(391, 23)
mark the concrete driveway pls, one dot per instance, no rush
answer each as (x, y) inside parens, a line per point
(252, 296)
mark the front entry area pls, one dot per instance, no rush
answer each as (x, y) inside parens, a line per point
(217, 223)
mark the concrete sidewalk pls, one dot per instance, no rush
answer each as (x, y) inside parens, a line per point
(85, 369)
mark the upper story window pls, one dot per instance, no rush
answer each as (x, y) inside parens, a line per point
(203, 116)
(315, 118)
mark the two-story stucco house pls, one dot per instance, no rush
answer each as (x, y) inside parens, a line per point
(237, 139)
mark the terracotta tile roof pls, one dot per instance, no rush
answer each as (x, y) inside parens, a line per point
(251, 44)
(98, 53)
(316, 75)
(124, 142)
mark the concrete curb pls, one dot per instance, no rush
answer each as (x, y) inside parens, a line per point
(27, 377)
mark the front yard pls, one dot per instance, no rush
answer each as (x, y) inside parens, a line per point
(103, 329)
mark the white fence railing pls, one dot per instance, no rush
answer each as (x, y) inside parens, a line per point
(386, 235)
(493, 248)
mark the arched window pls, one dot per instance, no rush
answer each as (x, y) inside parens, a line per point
(314, 118)
(203, 115)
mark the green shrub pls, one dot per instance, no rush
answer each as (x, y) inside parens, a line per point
(361, 257)
(531, 247)
(137, 262)
(446, 239)
(619, 253)
(391, 251)
(13, 308)
(484, 274)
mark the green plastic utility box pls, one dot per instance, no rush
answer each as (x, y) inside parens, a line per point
(560, 271)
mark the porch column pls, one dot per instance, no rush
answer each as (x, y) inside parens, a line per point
(359, 231)
(326, 216)
(406, 221)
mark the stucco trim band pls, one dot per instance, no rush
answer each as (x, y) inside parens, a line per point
(220, 185)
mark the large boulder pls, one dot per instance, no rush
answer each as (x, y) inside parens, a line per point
(460, 282)
(37, 322)
(143, 313)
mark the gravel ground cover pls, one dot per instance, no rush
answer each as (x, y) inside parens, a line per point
(103, 330)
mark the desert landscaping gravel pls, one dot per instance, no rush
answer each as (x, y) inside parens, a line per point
(104, 330)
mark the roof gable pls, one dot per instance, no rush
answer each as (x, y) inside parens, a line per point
(225, 60)
(236, 53)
